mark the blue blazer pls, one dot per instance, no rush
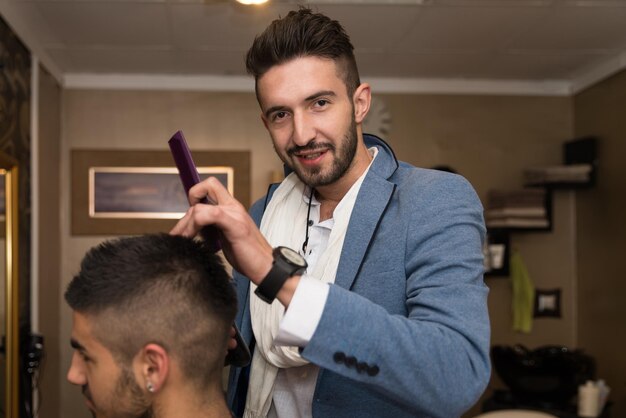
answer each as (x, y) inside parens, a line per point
(405, 330)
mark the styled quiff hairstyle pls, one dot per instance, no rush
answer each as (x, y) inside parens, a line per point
(303, 33)
(158, 288)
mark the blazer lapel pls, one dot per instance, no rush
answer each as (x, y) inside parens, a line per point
(369, 207)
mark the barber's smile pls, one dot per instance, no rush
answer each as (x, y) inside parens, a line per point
(310, 157)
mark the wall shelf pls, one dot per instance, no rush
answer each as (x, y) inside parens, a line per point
(522, 210)
(578, 170)
(529, 209)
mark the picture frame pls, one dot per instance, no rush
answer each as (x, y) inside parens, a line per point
(144, 192)
(127, 192)
(547, 303)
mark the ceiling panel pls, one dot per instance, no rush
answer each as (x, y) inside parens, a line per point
(110, 23)
(98, 1)
(151, 62)
(470, 28)
(374, 27)
(218, 25)
(538, 66)
(211, 62)
(579, 28)
(426, 65)
(116, 61)
(30, 13)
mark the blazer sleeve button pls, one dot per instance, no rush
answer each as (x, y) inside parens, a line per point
(373, 371)
(362, 367)
(350, 361)
(339, 357)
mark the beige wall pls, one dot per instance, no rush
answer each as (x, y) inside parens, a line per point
(601, 229)
(489, 139)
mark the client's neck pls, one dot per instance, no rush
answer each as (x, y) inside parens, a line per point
(181, 403)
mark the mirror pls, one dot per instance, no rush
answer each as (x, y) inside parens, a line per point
(9, 302)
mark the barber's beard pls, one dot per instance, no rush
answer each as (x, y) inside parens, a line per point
(344, 153)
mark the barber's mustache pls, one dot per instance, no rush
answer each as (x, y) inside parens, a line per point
(311, 146)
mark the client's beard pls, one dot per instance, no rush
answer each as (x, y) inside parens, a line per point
(130, 400)
(139, 406)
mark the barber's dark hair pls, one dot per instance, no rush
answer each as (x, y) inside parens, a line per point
(158, 288)
(303, 33)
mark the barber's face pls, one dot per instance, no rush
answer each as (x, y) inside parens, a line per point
(110, 390)
(310, 117)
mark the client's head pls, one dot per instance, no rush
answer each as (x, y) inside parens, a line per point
(152, 316)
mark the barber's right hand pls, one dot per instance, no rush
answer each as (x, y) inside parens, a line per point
(244, 246)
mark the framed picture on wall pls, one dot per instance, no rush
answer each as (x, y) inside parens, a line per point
(120, 192)
(144, 192)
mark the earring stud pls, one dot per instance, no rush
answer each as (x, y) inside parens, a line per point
(150, 387)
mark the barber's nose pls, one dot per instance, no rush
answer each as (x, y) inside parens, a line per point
(76, 374)
(303, 129)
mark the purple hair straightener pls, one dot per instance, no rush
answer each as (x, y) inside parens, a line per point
(239, 356)
(189, 177)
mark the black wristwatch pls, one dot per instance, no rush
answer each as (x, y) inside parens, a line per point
(287, 263)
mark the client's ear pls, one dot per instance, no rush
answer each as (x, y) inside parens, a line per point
(152, 367)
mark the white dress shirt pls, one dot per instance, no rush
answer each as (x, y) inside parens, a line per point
(295, 386)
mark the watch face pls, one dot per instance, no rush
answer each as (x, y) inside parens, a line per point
(292, 256)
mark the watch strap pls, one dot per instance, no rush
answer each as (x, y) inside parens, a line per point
(279, 273)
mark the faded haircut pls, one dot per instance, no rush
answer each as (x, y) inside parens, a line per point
(303, 33)
(158, 288)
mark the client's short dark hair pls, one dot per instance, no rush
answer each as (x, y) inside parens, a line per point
(158, 288)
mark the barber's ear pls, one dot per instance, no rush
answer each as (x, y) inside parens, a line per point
(152, 367)
(362, 99)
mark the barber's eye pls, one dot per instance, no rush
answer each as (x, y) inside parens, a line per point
(321, 102)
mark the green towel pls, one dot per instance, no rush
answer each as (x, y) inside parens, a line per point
(523, 295)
